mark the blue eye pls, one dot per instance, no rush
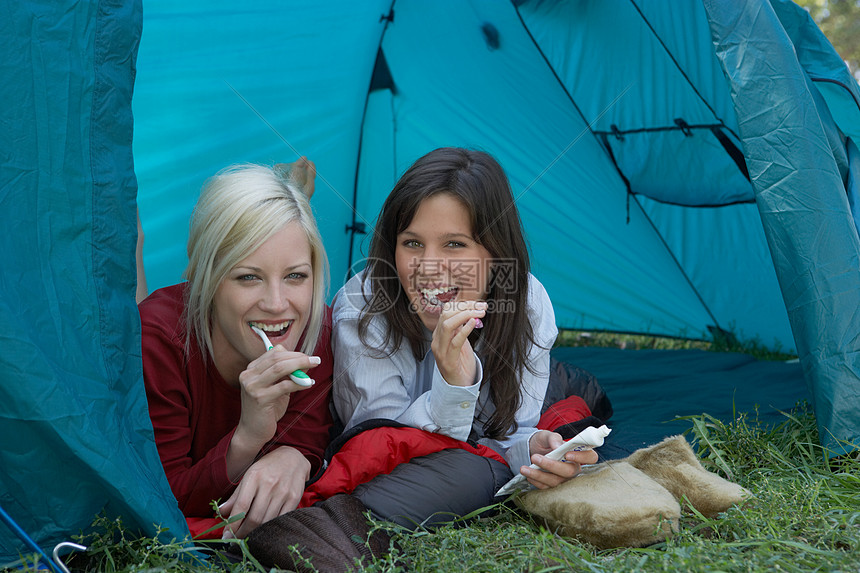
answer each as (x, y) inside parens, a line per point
(244, 278)
(297, 276)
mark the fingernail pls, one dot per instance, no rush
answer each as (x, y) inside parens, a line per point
(478, 323)
(228, 534)
(315, 359)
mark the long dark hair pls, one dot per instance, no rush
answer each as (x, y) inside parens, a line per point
(479, 182)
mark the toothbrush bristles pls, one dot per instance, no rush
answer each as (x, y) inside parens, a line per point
(263, 337)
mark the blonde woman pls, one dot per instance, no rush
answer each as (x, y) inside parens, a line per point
(230, 423)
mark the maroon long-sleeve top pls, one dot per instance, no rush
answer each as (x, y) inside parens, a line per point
(194, 411)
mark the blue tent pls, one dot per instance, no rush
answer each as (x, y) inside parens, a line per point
(679, 172)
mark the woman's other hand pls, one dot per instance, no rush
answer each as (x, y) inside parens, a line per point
(272, 486)
(553, 472)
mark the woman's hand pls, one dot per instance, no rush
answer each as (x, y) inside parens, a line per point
(272, 486)
(454, 355)
(265, 389)
(265, 394)
(553, 472)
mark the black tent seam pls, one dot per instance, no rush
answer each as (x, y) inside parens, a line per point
(677, 263)
(680, 69)
(840, 84)
(702, 206)
(605, 139)
(664, 128)
(570, 98)
(351, 229)
(552, 69)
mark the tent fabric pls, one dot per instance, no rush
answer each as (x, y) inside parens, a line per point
(674, 176)
(797, 175)
(651, 389)
(618, 123)
(76, 437)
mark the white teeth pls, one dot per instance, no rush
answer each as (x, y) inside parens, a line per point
(272, 327)
(434, 292)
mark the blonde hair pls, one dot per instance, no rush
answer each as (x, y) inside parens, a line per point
(238, 210)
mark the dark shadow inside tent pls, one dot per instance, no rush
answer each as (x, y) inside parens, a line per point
(649, 389)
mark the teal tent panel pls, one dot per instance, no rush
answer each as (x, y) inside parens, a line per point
(76, 437)
(853, 182)
(804, 210)
(377, 173)
(572, 202)
(638, 70)
(258, 82)
(683, 168)
(844, 106)
(823, 65)
(724, 253)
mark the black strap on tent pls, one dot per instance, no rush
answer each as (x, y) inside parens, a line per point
(717, 129)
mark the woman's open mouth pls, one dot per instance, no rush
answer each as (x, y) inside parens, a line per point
(276, 330)
(433, 299)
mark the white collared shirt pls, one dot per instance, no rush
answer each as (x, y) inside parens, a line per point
(369, 383)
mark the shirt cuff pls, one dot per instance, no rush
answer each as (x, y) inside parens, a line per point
(518, 454)
(453, 407)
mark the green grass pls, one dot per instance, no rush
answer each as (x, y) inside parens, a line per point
(804, 516)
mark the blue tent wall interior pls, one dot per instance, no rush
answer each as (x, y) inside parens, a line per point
(618, 123)
(622, 169)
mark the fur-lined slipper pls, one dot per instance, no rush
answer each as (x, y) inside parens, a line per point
(673, 464)
(609, 505)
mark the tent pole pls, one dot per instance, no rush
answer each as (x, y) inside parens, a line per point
(28, 541)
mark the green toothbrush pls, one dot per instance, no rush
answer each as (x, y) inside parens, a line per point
(299, 377)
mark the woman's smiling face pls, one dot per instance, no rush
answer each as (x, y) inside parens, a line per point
(438, 259)
(272, 289)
